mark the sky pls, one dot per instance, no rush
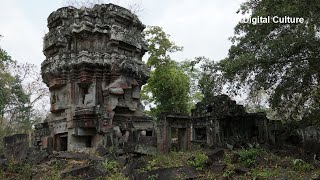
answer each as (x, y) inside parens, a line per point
(202, 27)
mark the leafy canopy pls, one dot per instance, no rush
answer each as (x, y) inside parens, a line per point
(282, 60)
(14, 108)
(168, 86)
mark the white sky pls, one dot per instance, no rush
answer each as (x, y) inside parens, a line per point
(201, 27)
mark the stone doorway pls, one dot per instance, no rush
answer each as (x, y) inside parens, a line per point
(61, 142)
(200, 134)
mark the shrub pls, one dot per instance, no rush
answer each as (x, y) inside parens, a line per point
(300, 165)
(248, 157)
(110, 165)
(228, 173)
(199, 161)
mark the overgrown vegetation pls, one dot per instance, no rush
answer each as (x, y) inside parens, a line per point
(248, 156)
(113, 169)
(276, 63)
(300, 165)
(22, 95)
(168, 88)
(199, 160)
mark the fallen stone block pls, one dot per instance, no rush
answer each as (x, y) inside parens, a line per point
(90, 171)
(69, 155)
(218, 167)
(139, 149)
(122, 160)
(37, 156)
(216, 154)
(3, 164)
(82, 171)
(241, 170)
(102, 151)
(135, 164)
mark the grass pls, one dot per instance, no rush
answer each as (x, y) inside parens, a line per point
(300, 165)
(174, 159)
(114, 170)
(248, 156)
(262, 165)
(199, 160)
(264, 173)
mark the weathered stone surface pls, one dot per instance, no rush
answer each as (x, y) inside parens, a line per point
(169, 174)
(71, 155)
(218, 167)
(178, 122)
(241, 170)
(219, 121)
(37, 156)
(310, 137)
(77, 171)
(148, 140)
(140, 148)
(122, 160)
(94, 71)
(3, 163)
(102, 150)
(117, 91)
(130, 168)
(16, 147)
(235, 158)
(215, 154)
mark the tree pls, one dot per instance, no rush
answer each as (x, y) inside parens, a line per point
(20, 92)
(168, 86)
(191, 67)
(281, 59)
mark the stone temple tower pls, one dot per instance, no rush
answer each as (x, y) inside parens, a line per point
(94, 72)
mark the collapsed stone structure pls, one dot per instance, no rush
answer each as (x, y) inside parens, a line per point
(220, 121)
(94, 72)
(175, 126)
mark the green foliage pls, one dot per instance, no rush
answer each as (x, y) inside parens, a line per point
(199, 160)
(192, 69)
(264, 173)
(300, 165)
(117, 176)
(248, 157)
(153, 177)
(281, 59)
(173, 159)
(159, 47)
(113, 168)
(110, 165)
(168, 86)
(228, 173)
(15, 109)
(20, 170)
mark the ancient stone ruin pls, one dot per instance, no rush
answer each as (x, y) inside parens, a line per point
(221, 121)
(94, 72)
(174, 132)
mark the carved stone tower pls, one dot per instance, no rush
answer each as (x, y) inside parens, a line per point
(94, 72)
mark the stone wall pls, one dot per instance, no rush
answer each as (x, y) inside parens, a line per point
(221, 121)
(16, 147)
